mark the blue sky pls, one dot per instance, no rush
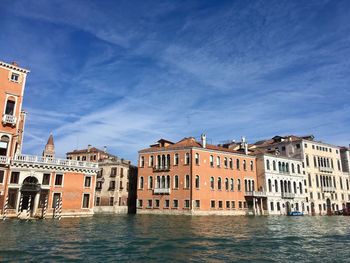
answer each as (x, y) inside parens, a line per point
(126, 73)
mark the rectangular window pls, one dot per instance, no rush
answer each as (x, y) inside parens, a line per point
(187, 203)
(271, 206)
(1, 176)
(84, 158)
(46, 179)
(113, 172)
(166, 204)
(149, 203)
(14, 178)
(14, 77)
(233, 204)
(175, 203)
(55, 199)
(87, 181)
(86, 200)
(240, 204)
(198, 203)
(212, 204)
(220, 204)
(111, 186)
(228, 204)
(156, 203)
(298, 146)
(10, 107)
(59, 179)
(140, 203)
(98, 201)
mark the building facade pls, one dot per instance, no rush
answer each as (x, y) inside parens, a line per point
(36, 185)
(191, 177)
(115, 191)
(325, 183)
(282, 180)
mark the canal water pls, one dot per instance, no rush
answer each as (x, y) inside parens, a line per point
(153, 238)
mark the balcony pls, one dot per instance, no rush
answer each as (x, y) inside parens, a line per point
(161, 191)
(287, 195)
(4, 160)
(329, 189)
(9, 119)
(325, 169)
(255, 193)
(161, 168)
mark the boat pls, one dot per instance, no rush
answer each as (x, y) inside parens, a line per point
(295, 213)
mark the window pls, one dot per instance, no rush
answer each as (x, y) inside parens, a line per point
(274, 165)
(151, 161)
(98, 186)
(278, 206)
(149, 203)
(218, 161)
(113, 171)
(220, 204)
(211, 160)
(10, 107)
(298, 168)
(140, 203)
(197, 158)
(227, 204)
(212, 183)
(309, 179)
(219, 183)
(239, 184)
(225, 162)
(187, 181)
(1, 176)
(150, 182)
(84, 158)
(226, 184)
(141, 183)
(142, 161)
(293, 168)
(15, 77)
(176, 159)
(156, 203)
(98, 201)
(212, 204)
(59, 180)
(167, 204)
(187, 158)
(305, 145)
(14, 178)
(231, 163)
(111, 201)
(197, 181)
(271, 206)
(267, 165)
(307, 161)
(46, 179)
(295, 187)
(175, 203)
(197, 203)
(276, 186)
(176, 182)
(240, 205)
(251, 165)
(298, 146)
(270, 187)
(87, 182)
(244, 165)
(12, 194)
(55, 199)
(111, 186)
(233, 204)
(231, 185)
(187, 204)
(237, 164)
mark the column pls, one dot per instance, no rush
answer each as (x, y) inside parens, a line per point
(18, 198)
(36, 202)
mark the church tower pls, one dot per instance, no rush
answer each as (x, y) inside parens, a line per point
(49, 151)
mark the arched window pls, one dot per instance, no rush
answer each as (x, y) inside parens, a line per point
(231, 163)
(197, 158)
(276, 186)
(279, 167)
(158, 182)
(197, 181)
(211, 160)
(225, 162)
(347, 184)
(274, 165)
(159, 161)
(245, 186)
(295, 187)
(244, 165)
(150, 182)
(176, 182)
(232, 185)
(176, 159)
(237, 164)
(187, 181)
(298, 168)
(168, 161)
(293, 169)
(4, 145)
(270, 187)
(151, 161)
(142, 161)
(287, 167)
(187, 158)
(267, 165)
(251, 165)
(141, 183)
(226, 184)
(219, 183)
(163, 182)
(168, 181)
(282, 186)
(253, 186)
(218, 161)
(212, 183)
(301, 188)
(239, 184)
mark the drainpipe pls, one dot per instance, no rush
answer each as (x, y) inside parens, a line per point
(191, 186)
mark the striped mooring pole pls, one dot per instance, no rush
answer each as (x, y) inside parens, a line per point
(60, 210)
(45, 207)
(28, 208)
(20, 206)
(56, 208)
(5, 208)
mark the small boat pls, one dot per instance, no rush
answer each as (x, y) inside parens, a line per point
(295, 213)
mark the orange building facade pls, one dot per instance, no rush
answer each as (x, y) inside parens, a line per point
(191, 177)
(36, 186)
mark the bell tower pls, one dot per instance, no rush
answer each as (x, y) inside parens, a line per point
(49, 151)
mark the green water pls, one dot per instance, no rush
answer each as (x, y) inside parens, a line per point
(177, 238)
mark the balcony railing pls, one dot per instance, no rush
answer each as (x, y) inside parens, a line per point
(287, 195)
(325, 169)
(161, 168)
(255, 193)
(45, 160)
(161, 191)
(8, 119)
(329, 189)
(4, 160)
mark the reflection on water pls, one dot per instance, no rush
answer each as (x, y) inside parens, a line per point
(180, 238)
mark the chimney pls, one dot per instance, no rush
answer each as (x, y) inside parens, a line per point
(14, 63)
(244, 145)
(204, 140)
(105, 149)
(89, 148)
